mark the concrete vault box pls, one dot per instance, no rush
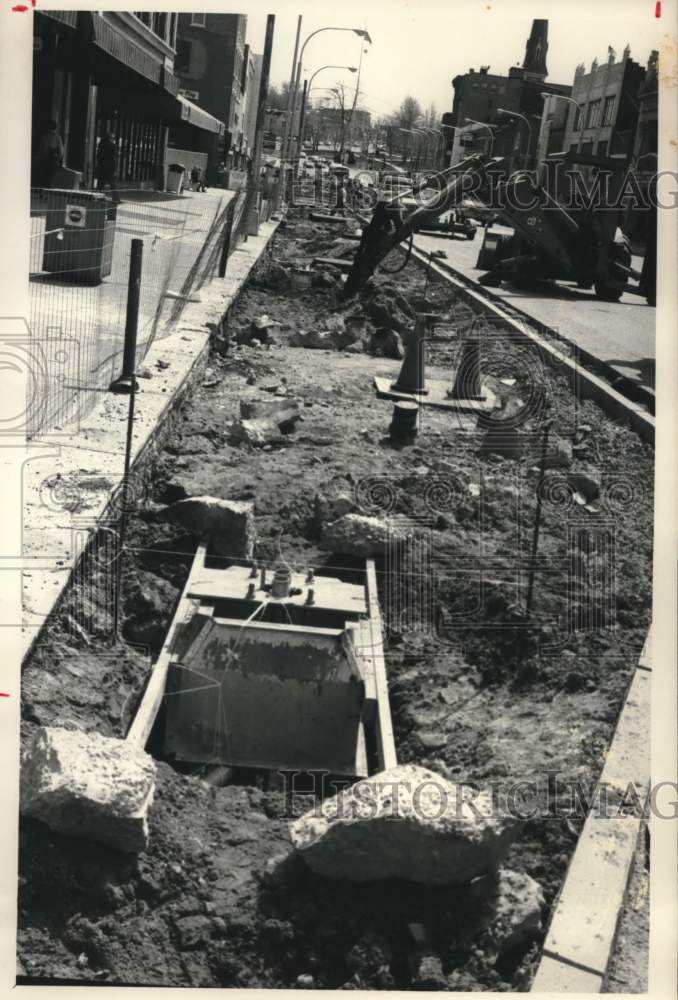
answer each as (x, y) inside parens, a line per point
(273, 671)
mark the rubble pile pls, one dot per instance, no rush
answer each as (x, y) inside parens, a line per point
(227, 883)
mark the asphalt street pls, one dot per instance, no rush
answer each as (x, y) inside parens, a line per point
(621, 334)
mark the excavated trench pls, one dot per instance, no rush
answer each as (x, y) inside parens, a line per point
(477, 693)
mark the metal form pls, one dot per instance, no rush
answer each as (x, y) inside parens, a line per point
(467, 391)
(281, 671)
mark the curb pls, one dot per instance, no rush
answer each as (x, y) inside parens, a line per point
(588, 385)
(582, 933)
(55, 539)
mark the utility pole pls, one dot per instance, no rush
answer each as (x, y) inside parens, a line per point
(302, 112)
(288, 117)
(253, 221)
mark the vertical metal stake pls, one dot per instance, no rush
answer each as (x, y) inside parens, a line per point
(537, 519)
(125, 383)
(130, 337)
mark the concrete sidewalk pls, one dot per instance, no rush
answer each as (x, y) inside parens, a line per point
(68, 481)
(78, 329)
(619, 334)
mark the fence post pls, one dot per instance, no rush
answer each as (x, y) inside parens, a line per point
(126, 383)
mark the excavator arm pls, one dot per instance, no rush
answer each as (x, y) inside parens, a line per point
(388, 227)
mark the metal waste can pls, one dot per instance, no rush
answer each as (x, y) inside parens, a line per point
(79, 235)
(490, 250)
(175, 177)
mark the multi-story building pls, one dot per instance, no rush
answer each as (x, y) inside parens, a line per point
(604, 121)
(112, 72)
(210, 63)
(480, 120)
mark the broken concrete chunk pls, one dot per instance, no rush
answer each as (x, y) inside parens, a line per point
(358, 535)
(226, 525)
(386, 344)
(90, 786)
(518, 907)
(426, 969)
(255, 432)
(283, 410)
(406, 822)
(386, 306)
(329, 508)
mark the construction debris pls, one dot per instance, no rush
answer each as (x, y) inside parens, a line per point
(358, 535)
(257, 433)
(226, 525)
(90, 786)
(408, 823)
(517, 902)
(385, 306)
(282, 410)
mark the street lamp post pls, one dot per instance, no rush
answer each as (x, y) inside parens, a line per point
(307, 90)
(294, 86)
(437, 132)
(453, 128)
(570, 100)
(357, 31)
(489, 128)
(517, 114)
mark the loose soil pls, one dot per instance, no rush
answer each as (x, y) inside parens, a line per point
(477, 692)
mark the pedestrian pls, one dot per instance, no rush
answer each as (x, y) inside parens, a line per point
(197, 182)
(339, 203)
(50, 156)
(107, 163)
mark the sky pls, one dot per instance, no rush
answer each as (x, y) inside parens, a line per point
(418, 47)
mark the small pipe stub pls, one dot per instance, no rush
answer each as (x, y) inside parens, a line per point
(310, 597)
(310, 576)
(403, 426)
(251, 591)
(281, 581)
(262, 578)
(253, 572)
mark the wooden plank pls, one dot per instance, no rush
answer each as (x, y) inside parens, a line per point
(233, 582)
(339, 262)
(384, 726)
(146, 714)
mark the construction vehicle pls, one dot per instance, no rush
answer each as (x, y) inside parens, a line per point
(548, 241)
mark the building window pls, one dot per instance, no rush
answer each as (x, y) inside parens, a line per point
(198, 20)
(182, 60)
(608, 110)
(173, 30)
(593, 119)
(579, 120)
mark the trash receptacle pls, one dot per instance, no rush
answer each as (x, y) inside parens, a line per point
(79, 235)
(65, 177)
(175, 177)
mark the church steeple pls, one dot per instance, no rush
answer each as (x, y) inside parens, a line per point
(534, 63)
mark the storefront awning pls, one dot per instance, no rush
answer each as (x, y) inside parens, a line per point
(193, 115)
(69, 17)
(125, 51)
